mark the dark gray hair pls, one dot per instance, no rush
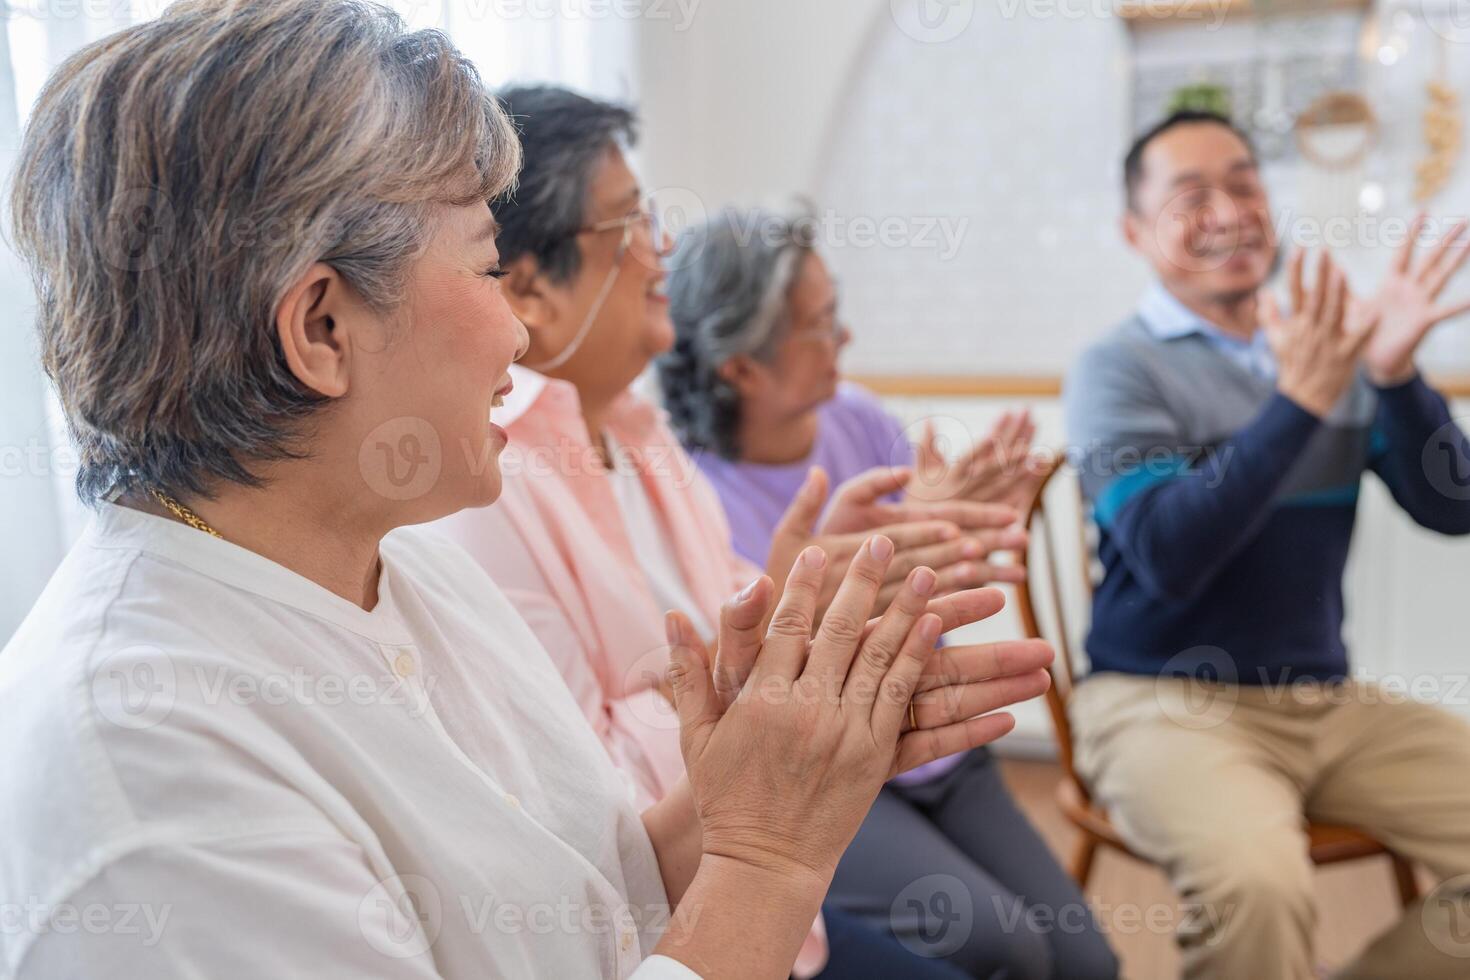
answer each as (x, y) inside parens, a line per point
(177, 176)
(729, 294)
(563, 135)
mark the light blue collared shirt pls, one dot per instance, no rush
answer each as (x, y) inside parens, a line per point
(1167, 319)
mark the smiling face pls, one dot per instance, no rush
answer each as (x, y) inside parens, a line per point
(621, 264)
(1200, 215)
(422, 399)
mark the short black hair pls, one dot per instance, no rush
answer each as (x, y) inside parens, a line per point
(1133, 162)
(563, 134)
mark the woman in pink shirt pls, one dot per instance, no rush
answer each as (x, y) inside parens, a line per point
(604, 522)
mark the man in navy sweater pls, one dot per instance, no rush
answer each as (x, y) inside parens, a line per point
(1222, 442)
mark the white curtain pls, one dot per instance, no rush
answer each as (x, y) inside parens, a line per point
(590, 47)
(30, 508)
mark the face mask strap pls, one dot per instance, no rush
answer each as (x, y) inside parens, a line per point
(607, 284)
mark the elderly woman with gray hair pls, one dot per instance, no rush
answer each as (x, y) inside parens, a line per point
(751, 386)
(254, 727)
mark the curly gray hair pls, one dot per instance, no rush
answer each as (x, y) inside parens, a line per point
(729, 292)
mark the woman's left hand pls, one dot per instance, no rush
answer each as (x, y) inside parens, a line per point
(946, 691)
(955, 538)
(784, 764)
(999, 469)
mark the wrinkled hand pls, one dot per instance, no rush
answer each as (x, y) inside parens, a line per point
(1316, 350)
(1407, 304)
(955, 538)
(862, 504)
(1001, 468)
(744, 620)
(785, 764)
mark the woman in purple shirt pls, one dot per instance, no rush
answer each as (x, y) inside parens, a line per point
(753, 390)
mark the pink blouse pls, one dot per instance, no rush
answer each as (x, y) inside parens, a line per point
(556, 543)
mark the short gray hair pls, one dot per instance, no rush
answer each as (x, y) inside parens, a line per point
(176, 177)
(729, 294)
(563, 136)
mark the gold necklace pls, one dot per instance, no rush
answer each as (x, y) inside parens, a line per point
(183, 513)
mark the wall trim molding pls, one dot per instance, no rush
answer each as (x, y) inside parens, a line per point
(1033, 385)
(962, 385)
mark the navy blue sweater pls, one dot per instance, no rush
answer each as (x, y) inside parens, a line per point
(1225, 511)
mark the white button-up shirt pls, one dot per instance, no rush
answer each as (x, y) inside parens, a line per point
(213, 767)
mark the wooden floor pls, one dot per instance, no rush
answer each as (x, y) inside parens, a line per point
(1355, 900)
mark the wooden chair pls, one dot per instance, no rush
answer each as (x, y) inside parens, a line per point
(1327, 844)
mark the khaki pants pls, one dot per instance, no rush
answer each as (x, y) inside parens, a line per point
(1213, 784)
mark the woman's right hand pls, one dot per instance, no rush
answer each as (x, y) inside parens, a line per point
(785, 772)
(1001, 468)
(956, 539)
(789, 737)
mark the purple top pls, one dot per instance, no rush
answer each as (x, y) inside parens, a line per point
(854, 434)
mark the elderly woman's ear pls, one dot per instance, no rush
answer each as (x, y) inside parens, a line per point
(318, 322)
(742, 373)
(526, 292)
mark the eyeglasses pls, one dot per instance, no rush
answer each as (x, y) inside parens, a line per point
(646, 214)
(836, 332)
(827, 326)
(626, 224)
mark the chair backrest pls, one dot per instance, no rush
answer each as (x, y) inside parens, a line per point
(1042, 602)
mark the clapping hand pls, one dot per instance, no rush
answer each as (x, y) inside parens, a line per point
(955, 538)
(790, 734)
(1407, 304)
(1316, 349)
(999, 469)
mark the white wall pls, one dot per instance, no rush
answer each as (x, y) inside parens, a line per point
(1007, 139)
(736, 104)
(1017, 126)
(1012, 129)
